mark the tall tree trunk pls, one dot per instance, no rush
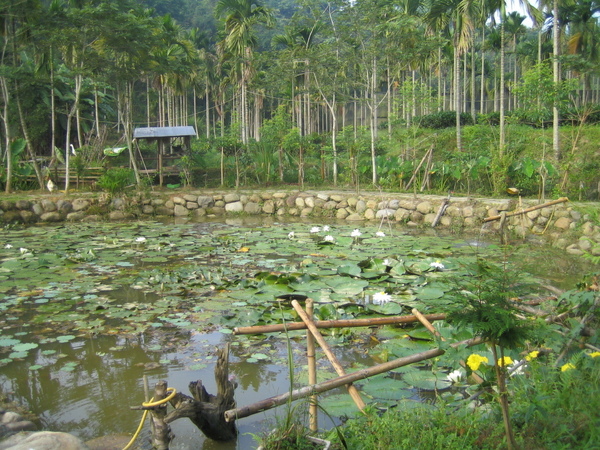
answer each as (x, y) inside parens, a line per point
(7, 135)
(556, 71)
(128, 129)
(457, 102)
(502, 141)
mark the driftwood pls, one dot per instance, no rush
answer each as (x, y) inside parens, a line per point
(441, 211)
(372, 322)
(526, 210)
(272, 402)
(206, 410)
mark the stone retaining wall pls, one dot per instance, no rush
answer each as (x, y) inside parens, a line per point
(567, 225)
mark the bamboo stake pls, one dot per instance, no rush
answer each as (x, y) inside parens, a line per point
(376, 321)
(312, 370)
(426, 323)
(332, 358)
(418, 168)
(526, 210)
(324, 386)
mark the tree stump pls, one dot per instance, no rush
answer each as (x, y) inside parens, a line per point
(205, 410)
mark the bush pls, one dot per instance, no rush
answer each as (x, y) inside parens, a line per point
(443, 119)
(116, 179)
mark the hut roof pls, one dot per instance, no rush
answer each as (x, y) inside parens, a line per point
(162, 132)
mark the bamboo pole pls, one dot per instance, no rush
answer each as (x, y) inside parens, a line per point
(330, 355)
(312, 370)
(526, 210)
(347, 323)
(426, 323)
(272, 402)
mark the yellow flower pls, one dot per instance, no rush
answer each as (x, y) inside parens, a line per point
(594, 354)
(567, 366)
(506, 361)
(475, 360)
(532, 355)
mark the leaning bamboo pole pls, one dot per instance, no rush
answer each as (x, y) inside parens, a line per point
(330, 355)
(347, 323)
(526, 210)
(272, 402)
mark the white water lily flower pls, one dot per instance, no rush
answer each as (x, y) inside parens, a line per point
(291, 235)
(386, 262)
(455, 376)
(326, 228)
(315, 229)
(381, 298)
(437, 265)
(380, 234)
(328, 238)
(8, 246)
(23, 250)
(356, 233)
(140, 239)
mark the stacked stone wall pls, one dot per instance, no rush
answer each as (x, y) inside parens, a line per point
(567, 225)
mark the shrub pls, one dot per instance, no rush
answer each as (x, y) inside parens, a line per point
(116, 179)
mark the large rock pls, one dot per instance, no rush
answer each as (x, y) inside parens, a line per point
(234, 207)
(43, 440)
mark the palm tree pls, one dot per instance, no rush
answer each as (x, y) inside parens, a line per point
(241, 16)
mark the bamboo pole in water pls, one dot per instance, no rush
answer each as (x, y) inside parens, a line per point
(332, 358)
(347, 323)
(526, 210)
(312, 370)
(272, 402)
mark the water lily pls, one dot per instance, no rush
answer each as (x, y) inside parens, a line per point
(329, 238)
(291, 235)
(455, 376)
(505, 361)
(140, 239)
(356, 233)
(437, 266)
(23, 250)
(380, 234)
(326, 228)
(386, 262)
(8, 246)
(474, 361)
(315, 229)
(567, 366)
(381, 298)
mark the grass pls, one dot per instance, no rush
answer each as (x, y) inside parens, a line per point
(551, 409)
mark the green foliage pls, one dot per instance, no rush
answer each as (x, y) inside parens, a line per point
(116, 179)
(482, 302)
(443, 119)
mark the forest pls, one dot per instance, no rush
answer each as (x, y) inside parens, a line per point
(464, 95)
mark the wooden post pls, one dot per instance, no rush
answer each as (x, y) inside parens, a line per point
(161, 431)
(324, 386)
(346, 323)
(332, 358)
(312, 370)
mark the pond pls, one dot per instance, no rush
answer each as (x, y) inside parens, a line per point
(88, 310)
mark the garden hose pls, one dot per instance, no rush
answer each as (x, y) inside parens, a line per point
(151, 403)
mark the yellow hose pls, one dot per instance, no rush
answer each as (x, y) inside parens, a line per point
(149, 404)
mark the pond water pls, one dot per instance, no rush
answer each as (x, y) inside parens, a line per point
(89, 310)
